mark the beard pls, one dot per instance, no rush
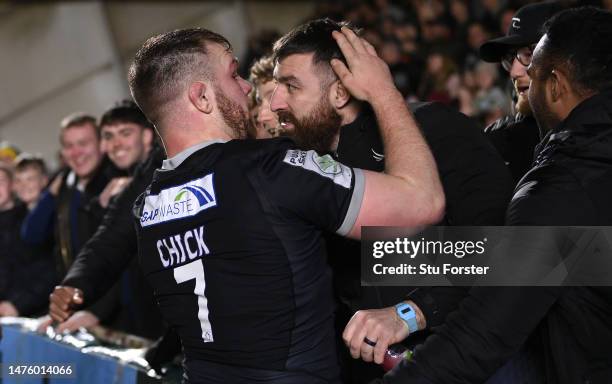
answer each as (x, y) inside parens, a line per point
(317, 130)
(522, 106)
(236, 118)
(544, 116)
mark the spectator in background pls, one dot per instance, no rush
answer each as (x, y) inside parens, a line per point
(433, 85)
(67, 211)
(20, 294)
(266, 121)
(30, 179)
(490, 102)
(8, 153)
(127, 138)
(516, 137)
(401, 71)
(6, 224)
(477, 35)
(259, 45)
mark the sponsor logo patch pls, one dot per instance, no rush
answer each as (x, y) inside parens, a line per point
(323, 165)
(179, 202)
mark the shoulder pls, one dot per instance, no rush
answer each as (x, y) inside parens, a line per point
(438, 120)
(550, 195)
(261, 147)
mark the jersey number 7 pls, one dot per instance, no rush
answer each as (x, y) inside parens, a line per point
(195, 270)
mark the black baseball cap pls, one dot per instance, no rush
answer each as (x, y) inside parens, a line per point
(526, 29)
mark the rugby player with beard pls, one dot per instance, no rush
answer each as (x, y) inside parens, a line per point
(229, 230)
(516, 137)
(312, 102)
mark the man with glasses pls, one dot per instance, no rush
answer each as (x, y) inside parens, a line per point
(515, 137)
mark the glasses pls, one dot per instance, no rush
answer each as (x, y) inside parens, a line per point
(523, 55)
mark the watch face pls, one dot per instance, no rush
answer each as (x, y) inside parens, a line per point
(405, 310)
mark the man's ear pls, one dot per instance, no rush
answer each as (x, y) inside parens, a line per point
(200, 96)
(559, 85)
(339, 95)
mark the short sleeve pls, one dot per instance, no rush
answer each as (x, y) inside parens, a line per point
(313, 187)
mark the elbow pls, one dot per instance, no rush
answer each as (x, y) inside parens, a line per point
(436, 207)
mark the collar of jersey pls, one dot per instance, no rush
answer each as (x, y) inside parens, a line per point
(174, 162)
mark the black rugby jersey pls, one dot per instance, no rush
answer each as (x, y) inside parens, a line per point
(230, 241)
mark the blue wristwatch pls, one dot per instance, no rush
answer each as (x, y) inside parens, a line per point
(407, 313)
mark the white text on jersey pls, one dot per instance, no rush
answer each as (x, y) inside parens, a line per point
(177, 249)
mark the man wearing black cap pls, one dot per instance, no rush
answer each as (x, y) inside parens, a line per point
(515, 137)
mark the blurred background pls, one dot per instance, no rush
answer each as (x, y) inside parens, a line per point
(60, 57)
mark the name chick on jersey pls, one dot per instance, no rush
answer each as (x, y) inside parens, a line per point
(177, 249)
(179, 201)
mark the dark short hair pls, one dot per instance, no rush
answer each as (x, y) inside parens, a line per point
(124, 111)
(312, 37)
(26, 161)
(162, 64)
(580, 39)
(78, 119)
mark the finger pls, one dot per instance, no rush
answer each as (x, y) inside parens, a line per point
(354, 326)
(355, 40)
(349, 330)
(381, 348)
(367, 351)
(341, 70)
(63, 292)
(345, 47)
(357, 342)
(369, 47)
(68, 326)
(58, 314)
(59, 300)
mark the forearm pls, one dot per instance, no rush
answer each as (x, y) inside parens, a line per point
(416, 166)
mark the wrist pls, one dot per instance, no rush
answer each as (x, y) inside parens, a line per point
(411, 315)
(381, 97)
(420, 318)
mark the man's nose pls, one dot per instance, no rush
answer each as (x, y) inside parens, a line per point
(246, 86)
(265, 114)
(517, 70)
(277, 100)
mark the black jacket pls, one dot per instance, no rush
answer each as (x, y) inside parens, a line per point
(571, 184)
(515, 138)
(111, 250)
(19, 262)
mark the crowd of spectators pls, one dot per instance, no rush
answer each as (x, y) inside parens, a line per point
(431, 47)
